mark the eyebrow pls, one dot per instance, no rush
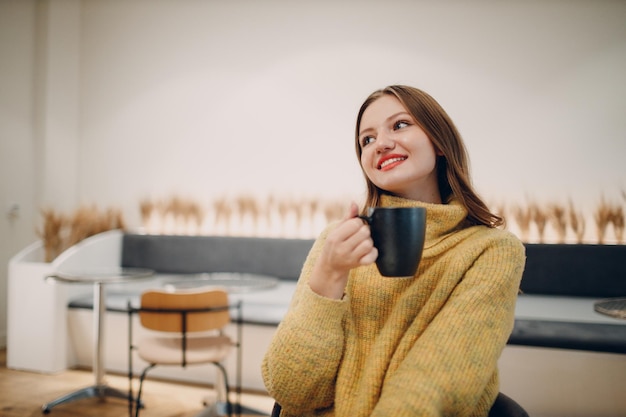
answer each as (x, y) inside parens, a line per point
(393, 116)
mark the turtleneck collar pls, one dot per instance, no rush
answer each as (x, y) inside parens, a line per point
(441, 219)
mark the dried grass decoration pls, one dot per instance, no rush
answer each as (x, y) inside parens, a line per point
(61, 232)
(617, 218)
(523, 217)
(558, 219)
(602, 217)
(540, 218)
(53, 224)
(577, 222)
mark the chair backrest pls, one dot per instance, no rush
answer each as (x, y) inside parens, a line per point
(505, 406)
(201, 309)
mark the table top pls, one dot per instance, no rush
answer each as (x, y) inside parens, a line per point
(232, 282)
(100, 275)
(561, 308)
(613, 307)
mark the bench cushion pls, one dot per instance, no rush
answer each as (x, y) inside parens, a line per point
(597, 337)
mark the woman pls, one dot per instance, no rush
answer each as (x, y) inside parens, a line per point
(354, 343)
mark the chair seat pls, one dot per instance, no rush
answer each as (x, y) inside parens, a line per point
(168, 350)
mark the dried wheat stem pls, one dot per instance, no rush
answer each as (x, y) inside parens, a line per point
(51, 235)
(523, 217)
(540, 218)
(602, 217)
(577, 222)
(617, 218)
(556, 215)
(146, 208)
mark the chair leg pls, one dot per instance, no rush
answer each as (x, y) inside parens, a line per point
(141, 378)
(276, 410)
(222, 389)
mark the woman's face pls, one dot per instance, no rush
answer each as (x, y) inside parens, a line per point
(396, 154)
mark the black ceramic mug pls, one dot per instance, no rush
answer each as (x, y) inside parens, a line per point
(398, 234)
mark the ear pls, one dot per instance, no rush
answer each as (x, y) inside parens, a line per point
(438, 152)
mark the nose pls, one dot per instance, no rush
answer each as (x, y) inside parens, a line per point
(384, 143)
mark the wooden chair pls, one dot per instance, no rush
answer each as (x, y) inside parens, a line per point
(186, 328)
(504, 406)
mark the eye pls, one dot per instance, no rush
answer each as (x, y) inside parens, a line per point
(400, 124)
(366, 140)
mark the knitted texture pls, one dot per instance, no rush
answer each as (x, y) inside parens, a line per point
(422, 346)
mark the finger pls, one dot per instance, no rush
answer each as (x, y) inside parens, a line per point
(360, 243)
(349, 225)
(369, 258)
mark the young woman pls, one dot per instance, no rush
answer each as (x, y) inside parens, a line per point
(354, 343)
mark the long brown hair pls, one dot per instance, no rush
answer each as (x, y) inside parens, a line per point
(453, 171)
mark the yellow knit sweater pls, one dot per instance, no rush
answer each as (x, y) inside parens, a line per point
(422, 346)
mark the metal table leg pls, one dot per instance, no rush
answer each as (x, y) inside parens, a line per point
(100, 389)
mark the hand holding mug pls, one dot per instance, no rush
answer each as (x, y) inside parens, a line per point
(347, 246)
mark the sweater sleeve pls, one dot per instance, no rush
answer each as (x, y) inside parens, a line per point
(448, 369)
(300, 367)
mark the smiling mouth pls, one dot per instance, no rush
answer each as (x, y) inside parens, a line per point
(390, 161)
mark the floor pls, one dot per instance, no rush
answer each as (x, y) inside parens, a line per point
(23, 393)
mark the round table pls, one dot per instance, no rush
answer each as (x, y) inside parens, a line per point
(231, 281)
(613, 307)
(98, 277)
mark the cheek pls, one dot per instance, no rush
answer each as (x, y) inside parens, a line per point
(427, 149)
(365, 160)
(368, 165)
(430, 159)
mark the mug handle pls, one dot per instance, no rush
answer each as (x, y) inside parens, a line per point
(366, 219)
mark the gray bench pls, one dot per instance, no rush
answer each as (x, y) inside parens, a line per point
(566, 273)
(565, 277)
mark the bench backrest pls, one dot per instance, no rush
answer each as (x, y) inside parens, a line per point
(551, 269)
(281, 258)
(575, 270)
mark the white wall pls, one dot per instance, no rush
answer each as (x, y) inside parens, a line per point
(109, 102)
(17, 31)
(208, 97)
